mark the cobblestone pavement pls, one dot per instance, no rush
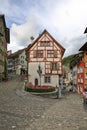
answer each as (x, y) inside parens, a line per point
(20, 110)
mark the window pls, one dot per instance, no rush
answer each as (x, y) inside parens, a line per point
(40, 53)
(22, 57)
(22, 61)
(56, 54)
(86, 64)
(54, 66)
(80, 70)
(48, 68)
(85, 75)
(47, 79)
(78, 80)
(50, 53)
(74, 73)
(81, 81)
(45, 43)
(34, 54)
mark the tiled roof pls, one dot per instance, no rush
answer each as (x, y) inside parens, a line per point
(45, 31)
(76, 59)
(17, 53)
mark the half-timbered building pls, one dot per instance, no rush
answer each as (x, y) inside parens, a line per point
(44, 57)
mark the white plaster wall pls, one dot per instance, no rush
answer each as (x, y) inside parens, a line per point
(18, 69)
(32, 71)
(23, 59)
(54, 81)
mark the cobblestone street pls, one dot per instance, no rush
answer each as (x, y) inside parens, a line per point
(21, 110)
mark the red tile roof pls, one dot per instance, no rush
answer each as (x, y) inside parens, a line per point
(17, 53)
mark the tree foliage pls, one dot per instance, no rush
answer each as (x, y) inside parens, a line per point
(66, 60)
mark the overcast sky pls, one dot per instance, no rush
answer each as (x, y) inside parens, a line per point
(65, 20)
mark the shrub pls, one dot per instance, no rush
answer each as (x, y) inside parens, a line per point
(40, 90)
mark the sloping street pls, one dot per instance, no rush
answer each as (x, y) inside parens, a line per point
(21, 110)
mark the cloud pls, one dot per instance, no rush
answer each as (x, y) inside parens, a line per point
(21, 33)
(75, 44)
(65, 20)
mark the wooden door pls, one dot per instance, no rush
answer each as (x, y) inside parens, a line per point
(36, 82)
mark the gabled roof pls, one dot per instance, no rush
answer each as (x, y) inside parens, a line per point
(17, 53)
(84, 47)
(76, 59)
(46, 32)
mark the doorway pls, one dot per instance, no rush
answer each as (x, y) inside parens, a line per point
(36, 82)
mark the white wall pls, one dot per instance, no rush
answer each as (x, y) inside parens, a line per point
(32, 71)
(23, 58)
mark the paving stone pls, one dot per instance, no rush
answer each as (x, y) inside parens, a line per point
(20, 110)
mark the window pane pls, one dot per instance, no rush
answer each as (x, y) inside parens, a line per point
(45, 43)
(47, 79)
(54, 66)
(50, 53)
(39, 53)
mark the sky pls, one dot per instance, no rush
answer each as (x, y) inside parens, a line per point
(65, 20)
